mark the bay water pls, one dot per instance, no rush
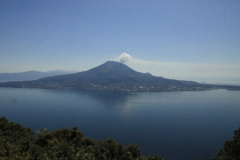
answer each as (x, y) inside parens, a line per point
(175, 125)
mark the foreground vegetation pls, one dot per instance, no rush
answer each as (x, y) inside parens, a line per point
(231, 149)
(17, 142)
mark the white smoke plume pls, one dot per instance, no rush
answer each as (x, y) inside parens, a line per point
(124, 57)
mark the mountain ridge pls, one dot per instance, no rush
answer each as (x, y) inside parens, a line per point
(114, 76)
(29, 75)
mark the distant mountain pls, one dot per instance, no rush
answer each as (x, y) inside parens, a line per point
(30, 75)
(114, 76)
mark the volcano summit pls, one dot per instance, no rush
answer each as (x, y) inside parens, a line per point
(114, 76)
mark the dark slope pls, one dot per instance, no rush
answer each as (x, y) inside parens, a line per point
(111, 72)
(112, 76)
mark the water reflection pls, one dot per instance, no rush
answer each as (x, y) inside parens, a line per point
(119, 101)
(113, 100)
(14, 100)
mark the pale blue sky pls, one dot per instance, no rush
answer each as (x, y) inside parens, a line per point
(77, 35)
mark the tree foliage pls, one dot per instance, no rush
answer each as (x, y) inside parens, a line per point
(17, 142)
(231, 149)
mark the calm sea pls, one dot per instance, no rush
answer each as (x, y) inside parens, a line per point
(174, 125)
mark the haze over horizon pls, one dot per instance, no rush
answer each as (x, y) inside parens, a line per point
(192, 40)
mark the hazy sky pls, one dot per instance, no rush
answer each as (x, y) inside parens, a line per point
(169, 38)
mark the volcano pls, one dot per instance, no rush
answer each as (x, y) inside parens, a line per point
(114, 76)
